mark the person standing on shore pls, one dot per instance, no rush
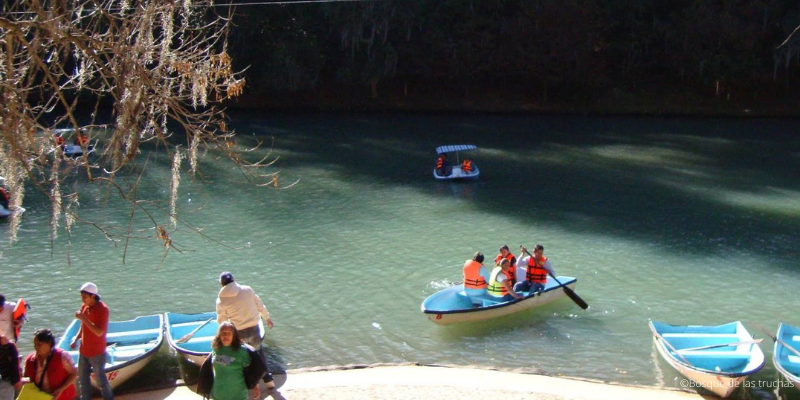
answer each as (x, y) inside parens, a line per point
(93, 315)
(7, 322)
(242, 306)
(10, 380)
(50, 368)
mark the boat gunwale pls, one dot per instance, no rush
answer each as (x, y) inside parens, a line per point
(775, 358)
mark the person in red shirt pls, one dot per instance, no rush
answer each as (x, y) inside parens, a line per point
(94, 326)
(50, 368)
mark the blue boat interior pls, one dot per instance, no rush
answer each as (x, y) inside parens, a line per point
(788, 359)
(728, 359)
(179, 325)
(126, 340)
(454, 299)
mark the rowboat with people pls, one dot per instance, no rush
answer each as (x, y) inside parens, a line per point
(461, 169)
(786, 354)
(452, 305)
(130, 345)
(717, 358)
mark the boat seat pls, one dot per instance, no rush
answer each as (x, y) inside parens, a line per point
(190, 323)
(120, 356)
(700, 335)
(133, 336)
(714, 354)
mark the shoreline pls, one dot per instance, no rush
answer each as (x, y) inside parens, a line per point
(431, 382)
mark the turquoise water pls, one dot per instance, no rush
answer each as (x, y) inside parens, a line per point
(677, 220)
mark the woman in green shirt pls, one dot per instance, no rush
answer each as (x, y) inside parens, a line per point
(229, 358)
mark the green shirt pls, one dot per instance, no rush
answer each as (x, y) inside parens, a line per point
(229, 373)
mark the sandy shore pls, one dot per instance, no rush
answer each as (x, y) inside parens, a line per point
(408, 381)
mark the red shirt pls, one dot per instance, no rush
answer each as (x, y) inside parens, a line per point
(91, 344)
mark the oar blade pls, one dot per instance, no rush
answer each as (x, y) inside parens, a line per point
(574, 296)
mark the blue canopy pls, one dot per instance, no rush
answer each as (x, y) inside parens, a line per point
(455, 147)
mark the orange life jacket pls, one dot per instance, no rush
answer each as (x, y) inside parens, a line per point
(535, 273)
(440, 162)
(81, 139)
(20, 310)
(60, 141)
(466, 166)
(472, 275)
(512, 268)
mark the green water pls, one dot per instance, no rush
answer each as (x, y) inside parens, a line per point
(677, 220)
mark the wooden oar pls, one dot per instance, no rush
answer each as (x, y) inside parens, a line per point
(775, 338)
(191, 334)
(570, 293)
(661, 338)
(714, 346)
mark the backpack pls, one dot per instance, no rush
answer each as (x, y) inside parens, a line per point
(257, 368)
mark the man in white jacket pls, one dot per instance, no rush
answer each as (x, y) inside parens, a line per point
(242, 306)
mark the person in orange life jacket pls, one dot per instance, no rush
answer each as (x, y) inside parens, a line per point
(532, 271)
(500, 283)
(9, 369)
(93, 315)
(505, 253)
(59, 137)
(466, 166)
(475, 278)
(443, 165)
(7, 322)
(81, 139)
(50, 368)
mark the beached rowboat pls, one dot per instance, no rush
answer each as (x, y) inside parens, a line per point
(452, 305)
(198, 346)
(717, 358)
(130, 346)
(785, 355)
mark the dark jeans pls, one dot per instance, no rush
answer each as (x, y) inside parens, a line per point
(96, 364)
(526, 286)
(253, 338)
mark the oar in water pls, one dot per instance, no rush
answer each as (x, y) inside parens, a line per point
(775, 338)
(191, 334)
(570, 293)
(714, 346)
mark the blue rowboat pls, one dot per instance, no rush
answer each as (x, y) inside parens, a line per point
(717, 358)
(130, 346)
(452, 305)
(455, 172)
(786, 354)
(190, 335)
(198, 345)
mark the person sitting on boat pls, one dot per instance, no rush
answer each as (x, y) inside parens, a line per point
(536, 270)
(466, 166)
(50, 368)
(475, 278)
(443, 165)
(60, 142)
(505, 253)
(81, 140)
(500, 283)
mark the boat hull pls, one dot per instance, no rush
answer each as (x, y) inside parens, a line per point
(717, 368)
(785, 360)
(131, 345)
(452, 306)
(458, 174)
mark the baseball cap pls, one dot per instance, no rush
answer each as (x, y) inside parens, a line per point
(225, 278)
(89, 287)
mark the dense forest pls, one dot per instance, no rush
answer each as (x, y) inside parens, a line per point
(621, 56)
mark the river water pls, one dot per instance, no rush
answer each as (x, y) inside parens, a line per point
(686, 221)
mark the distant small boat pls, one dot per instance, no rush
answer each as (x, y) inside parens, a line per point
(787, 361)
(198, 347)
(455, 171)
(717, 358)
(452, 305)
(130, 346)
(74, 150)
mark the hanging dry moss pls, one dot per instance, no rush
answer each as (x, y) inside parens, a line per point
(164, 66)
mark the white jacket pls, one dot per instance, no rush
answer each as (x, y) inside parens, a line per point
(241, 305)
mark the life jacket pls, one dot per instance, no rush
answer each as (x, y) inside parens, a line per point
(56, 374)
(60, 141)
(496, 288)
(81, 139)
(512, 266)
(535, 273)
(20, 311)
(440, 162)
(466, 166)
(472, 275)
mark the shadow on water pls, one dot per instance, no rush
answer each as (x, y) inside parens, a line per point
(647, 180)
